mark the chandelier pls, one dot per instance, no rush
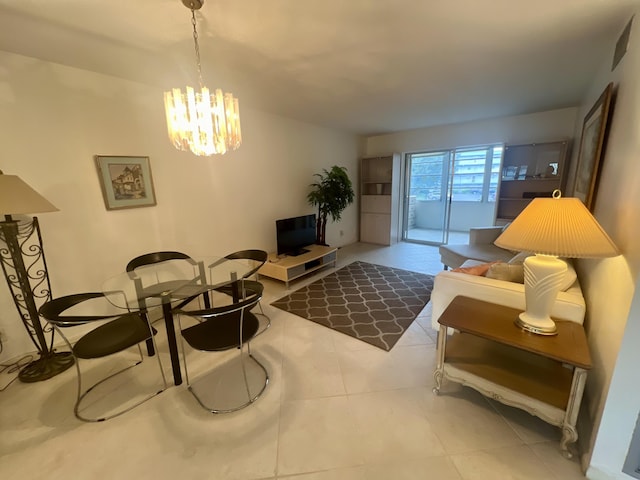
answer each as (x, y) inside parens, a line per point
(203, 122)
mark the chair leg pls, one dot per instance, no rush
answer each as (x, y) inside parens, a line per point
(150, 350)
(268, 319)
(251, 398)
(184, 356)
(244, 374)
(150, 346)
(207, 302)
(82, 395)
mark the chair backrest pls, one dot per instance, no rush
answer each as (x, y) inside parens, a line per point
(155, 257)
(159, 257)
(257, 256)
(51, 310)
(252, 296)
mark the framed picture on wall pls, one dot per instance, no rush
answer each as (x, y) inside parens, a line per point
(592, 143)
(126, 181)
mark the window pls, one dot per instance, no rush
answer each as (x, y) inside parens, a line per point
(475, 174)
(474, 179)
(428, 171)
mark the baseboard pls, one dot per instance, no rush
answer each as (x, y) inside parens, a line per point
(595, 473)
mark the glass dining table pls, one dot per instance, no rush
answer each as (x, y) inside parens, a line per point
(171, 282)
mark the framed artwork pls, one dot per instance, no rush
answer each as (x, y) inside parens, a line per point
(126, 181)
(594, 130)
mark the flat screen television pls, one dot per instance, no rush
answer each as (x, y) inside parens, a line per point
(293, 234)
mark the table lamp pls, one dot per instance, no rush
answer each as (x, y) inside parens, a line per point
(551, 228)
(25, 269)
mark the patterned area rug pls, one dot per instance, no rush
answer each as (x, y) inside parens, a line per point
(370, 302)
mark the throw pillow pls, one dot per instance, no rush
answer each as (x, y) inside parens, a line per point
(507, 272)
(519, 258)
(478, 270)
(569, 278)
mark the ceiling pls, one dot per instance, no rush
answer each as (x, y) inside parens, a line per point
(365, 66)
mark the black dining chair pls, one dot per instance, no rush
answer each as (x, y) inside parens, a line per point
(164, 256)
(228, 327)
(257, 258)
(113, 333)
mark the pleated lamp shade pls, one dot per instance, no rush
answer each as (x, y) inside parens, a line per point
(563, 227)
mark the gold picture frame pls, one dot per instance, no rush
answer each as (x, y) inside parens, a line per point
(592, 144)
(126, 181)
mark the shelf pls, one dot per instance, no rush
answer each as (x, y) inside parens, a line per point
(532, 375)
(531, 179)
(289, 268)
(379, 199)
(376, 188)
(525, 175)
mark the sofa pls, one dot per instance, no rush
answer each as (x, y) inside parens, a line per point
(470, 282)
(480, 248)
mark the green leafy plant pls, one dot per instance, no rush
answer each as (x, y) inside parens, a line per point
(332, 193)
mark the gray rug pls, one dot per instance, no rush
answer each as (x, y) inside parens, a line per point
(372, 303)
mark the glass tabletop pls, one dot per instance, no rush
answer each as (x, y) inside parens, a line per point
(152, 285)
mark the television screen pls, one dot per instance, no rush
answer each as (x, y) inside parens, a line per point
(293, 234)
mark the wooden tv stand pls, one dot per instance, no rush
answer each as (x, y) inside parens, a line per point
(287, 268)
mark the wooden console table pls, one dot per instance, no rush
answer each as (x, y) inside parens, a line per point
(289, 268)
(543, 375)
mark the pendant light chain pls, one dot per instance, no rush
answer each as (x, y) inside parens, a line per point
(197, 47)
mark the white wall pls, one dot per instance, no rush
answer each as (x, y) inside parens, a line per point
(613, 312)
(54, 119)
(535, 127)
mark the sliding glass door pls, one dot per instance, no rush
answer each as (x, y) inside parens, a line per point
(426, 197)
(447, 192)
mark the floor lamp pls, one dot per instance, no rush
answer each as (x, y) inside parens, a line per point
(24, 266)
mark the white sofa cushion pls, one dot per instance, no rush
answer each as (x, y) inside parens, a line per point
(513, 271)
(569, 305)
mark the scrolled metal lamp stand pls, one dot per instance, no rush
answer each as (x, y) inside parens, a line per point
(25, 268)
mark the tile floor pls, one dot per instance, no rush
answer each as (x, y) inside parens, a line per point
(336, 408)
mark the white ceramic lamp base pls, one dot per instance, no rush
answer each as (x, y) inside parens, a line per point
(543, 276)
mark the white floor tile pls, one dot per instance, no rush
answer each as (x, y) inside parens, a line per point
(335, 408)
(393, 426)
(464, 421)
(507, 463)
(311, 375)
(318, 434)
(436, 468)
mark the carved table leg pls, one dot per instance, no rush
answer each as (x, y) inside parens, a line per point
(439, 371)
(569, 435)
(569, 432)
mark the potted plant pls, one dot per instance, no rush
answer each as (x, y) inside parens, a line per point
(332, 193)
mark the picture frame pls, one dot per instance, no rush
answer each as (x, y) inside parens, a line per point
(510, 172)
(126, 181)
(592, 143)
